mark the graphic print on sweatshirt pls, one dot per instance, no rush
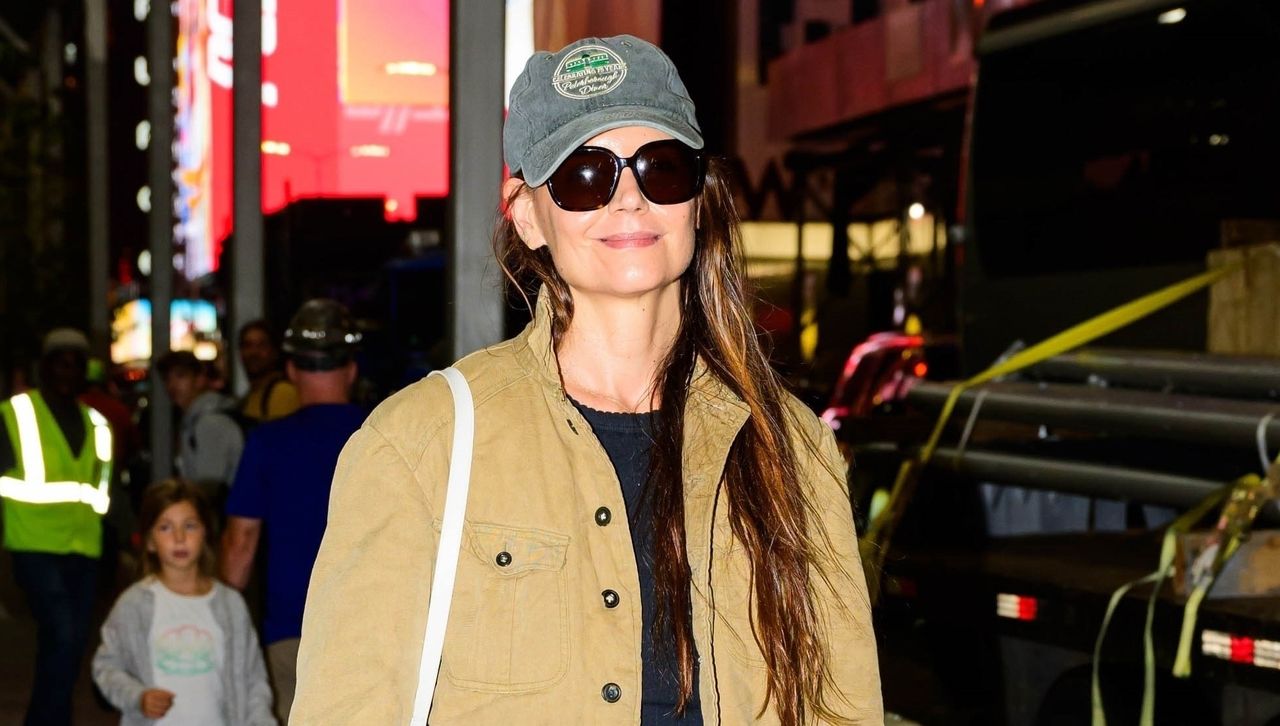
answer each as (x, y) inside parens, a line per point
(187, 654)
(187, 650)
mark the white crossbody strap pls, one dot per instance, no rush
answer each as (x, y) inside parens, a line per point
(455, 506)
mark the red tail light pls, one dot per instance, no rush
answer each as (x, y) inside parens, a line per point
(1016, 607)
(1240, 649)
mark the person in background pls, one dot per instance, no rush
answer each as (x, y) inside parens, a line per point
(213, 373)
(127, 442)
(209, 440)
(98, 395)
(56, 456)
(178, 647)
(284, 477)
(271, 395)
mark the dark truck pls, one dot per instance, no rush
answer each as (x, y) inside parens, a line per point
(1111, 146)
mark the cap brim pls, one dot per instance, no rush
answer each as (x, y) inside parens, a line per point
(546, 155)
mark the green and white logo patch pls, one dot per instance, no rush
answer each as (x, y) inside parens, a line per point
(590, 71)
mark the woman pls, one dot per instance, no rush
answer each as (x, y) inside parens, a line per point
(656, 532)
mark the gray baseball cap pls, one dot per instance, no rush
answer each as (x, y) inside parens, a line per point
(592, 85)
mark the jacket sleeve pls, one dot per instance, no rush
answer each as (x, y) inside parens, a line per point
(110, 670)
(367, 603)
(841, 592)
(258, 699)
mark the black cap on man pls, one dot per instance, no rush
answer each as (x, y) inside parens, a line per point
(321, 336)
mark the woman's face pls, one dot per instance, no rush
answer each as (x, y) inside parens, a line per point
(627, 248)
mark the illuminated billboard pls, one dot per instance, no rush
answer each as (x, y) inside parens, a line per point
(200, 226)
(354, 103)
(193, 325)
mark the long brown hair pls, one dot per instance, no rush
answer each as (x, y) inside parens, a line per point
(767, 506)
(159, 497)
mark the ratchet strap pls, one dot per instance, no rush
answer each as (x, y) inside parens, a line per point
(875, 543)
(1243, 499)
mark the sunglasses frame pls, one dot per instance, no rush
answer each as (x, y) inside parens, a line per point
(620, 163)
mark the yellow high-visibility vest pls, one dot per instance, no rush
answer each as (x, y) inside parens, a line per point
(54, 498)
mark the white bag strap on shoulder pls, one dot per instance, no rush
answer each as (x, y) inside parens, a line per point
(455, 507)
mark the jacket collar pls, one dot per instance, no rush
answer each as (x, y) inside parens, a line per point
(714, 414)
(535, 349)
(537, 355)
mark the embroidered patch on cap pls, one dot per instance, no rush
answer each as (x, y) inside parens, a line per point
(591, 71)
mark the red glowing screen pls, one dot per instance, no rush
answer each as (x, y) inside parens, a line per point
(354, 103)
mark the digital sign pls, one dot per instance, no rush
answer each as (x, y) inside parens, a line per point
(193, 325)
(354, 103)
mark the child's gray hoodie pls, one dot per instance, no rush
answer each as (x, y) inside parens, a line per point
(122, 665)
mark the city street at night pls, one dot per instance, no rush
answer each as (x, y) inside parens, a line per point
(908, 362)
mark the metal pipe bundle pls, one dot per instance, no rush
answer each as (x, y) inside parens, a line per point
(1179, 417)
(1073, 477)
(1235, 376)
(1188, 400)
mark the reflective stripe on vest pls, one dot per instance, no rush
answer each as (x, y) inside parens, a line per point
(32, 488)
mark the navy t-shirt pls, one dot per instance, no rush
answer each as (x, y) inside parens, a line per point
(284, 478)
(628, 440)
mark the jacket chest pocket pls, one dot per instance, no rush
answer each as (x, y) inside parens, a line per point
(508, 626)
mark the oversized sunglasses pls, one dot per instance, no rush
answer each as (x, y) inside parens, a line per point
(667, 172)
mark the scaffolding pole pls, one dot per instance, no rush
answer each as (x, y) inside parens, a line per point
(247, 260)
(95, 43)
(160, 49)
(476, 50)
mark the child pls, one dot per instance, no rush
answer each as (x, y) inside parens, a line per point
(178, 647)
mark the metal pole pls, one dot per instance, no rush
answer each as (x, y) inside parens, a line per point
(476, 49)
(838, 277)
(95, 43)
(1172, 416)
(247, 280)
(160, 49)
(1203, 373)
(1090, 480)
(1068, 20)
(800, 192)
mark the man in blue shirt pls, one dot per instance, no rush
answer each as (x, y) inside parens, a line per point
(283, 481)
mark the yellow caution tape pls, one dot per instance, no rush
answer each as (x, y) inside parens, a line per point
(879, 534)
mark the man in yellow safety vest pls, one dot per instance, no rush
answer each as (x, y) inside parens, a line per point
(55, 475)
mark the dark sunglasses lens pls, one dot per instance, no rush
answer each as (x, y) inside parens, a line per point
(584, 181)
(669, 172)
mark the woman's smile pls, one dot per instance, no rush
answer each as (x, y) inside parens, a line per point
(630, 240)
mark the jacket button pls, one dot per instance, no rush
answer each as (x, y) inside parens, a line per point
(611, 598)
(611, 692)
(503, 559)
(603, 516)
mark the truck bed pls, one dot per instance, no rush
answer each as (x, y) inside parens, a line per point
(1071, 577)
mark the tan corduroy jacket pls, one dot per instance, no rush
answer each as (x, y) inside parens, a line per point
(530, 639)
